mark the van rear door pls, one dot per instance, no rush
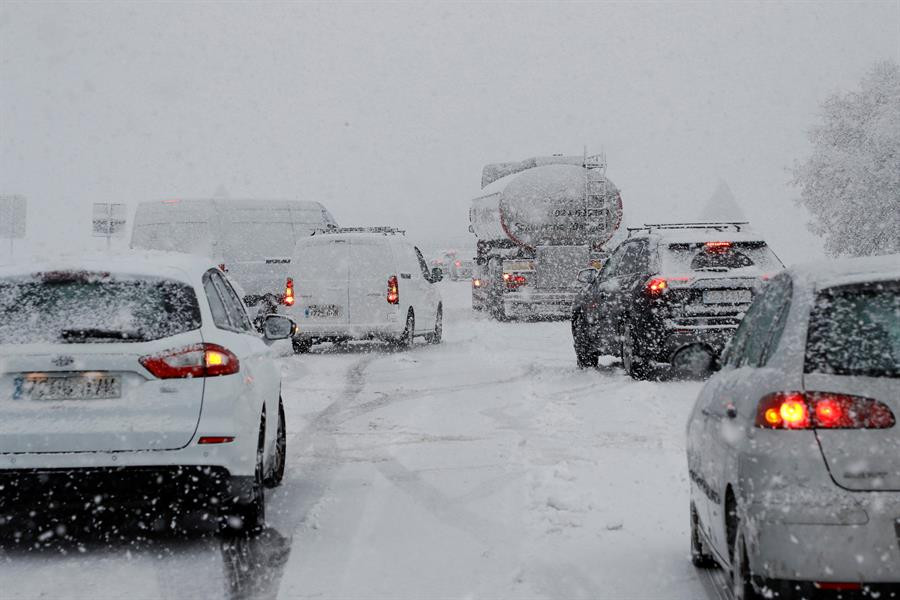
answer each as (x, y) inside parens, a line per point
(372, 264)
(321, 280)
(256, 245)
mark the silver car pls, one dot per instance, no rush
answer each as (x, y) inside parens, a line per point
(793, 445)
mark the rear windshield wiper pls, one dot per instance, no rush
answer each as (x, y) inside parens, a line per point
(101, 334)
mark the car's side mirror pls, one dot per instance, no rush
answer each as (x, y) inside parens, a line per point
(278, 327)
(695, 361)
(587, 276)
(437, 274)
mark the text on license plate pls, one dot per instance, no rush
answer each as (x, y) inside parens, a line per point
(323, 311)
(727, 296)
(67, 387)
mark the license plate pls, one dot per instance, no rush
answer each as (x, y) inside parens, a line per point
(67, 387)
(323, 311)
(727, 296)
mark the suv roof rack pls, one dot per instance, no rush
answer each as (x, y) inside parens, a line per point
(717, 225)
(381, 230)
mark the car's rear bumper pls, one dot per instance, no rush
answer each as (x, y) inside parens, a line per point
(867, 551)
(191, 486)
(659, 342)
(326, 332)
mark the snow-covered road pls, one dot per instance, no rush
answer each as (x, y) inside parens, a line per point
(488, 466)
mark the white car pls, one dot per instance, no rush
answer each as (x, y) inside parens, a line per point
(793, 446)
(362, 283)
(144, 368)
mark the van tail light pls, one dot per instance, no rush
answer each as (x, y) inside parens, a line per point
(822, 410)
(393, 291)
(656, 286)
(199, 360)
(288, 298)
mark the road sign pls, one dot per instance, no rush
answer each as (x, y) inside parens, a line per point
(13, 210)
(109, 220)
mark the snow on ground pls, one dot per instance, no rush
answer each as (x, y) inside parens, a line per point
(488, 466)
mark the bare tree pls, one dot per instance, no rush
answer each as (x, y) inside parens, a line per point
(851, 182)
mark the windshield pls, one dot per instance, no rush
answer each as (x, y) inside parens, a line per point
(94, 308)
(856, 331)
(718, 257)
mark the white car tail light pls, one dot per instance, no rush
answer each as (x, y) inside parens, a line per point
(199, 360)
(822, 410)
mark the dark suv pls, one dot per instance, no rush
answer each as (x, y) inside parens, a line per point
(666, 286)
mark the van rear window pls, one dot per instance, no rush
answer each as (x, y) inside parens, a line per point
(855, 331)
(87, 307)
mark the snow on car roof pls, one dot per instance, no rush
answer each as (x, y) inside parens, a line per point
(175, 265)
(827, 273)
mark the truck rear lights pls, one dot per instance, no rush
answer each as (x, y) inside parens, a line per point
(656, 286)
(476, 283)
(216, 439)
(393, 291)
(822, 410)
(288, 297)
(199, 360)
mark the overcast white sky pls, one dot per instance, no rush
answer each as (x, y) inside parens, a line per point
(387, 112)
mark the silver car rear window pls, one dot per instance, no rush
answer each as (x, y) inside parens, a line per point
(718, 257)
(855, 330)
(90, 307)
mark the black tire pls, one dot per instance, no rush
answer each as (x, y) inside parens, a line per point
(438, 334)
(741, 575)
(301, 346)
(635, 366)
(251, 516)
(699, 556)
(585, 355)
(407, 338)
(280, 459)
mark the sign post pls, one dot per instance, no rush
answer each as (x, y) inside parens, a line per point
(109, 221)
(13, 211)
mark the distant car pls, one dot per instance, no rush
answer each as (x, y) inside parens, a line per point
(667, 286)
(793, 447)
(461, 268)
(362, 283)
(252, 240)
(143, 373)
(480, 289)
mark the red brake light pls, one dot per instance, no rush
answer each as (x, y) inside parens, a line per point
(216, 439)
(288, 299)
(199, 360)
(717, 246)
(656, 286)
(458, 263)
(222, 268)
(822, 410)
(476, 283)
(514, 280)
(393, 293)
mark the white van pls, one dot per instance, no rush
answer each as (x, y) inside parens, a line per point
(250, 239)
(362, 283)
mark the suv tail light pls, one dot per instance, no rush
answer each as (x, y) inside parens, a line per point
(514, 280)
(199, 360)
(393, 292)
(822, 410)
(288, 298)
(656, 286)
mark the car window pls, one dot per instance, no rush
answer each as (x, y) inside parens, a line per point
(236, 312)
(611, 268)
(86, 307)
(216, 304)
(736, 349)
(718, 256)
(765, 317)
(855, 330)
(636, 259)
(423, 265)
(782, 287)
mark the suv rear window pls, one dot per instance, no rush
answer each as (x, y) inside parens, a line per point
(83, 307)
(719, 256)
(855, 331)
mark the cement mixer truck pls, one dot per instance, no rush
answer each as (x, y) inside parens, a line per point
(537, 223)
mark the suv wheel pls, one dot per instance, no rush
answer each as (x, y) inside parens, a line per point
(741, 576)
(407, 338)
(634, 365)
(437, 336)
(585, 355)
(252, 515)
(280, 458)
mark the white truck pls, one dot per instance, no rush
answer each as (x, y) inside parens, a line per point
(537, 223)
(252, 240)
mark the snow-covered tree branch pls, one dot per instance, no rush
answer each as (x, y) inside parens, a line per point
(851, 182)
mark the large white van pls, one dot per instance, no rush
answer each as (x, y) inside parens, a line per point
(250, 239)
(355, 283)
